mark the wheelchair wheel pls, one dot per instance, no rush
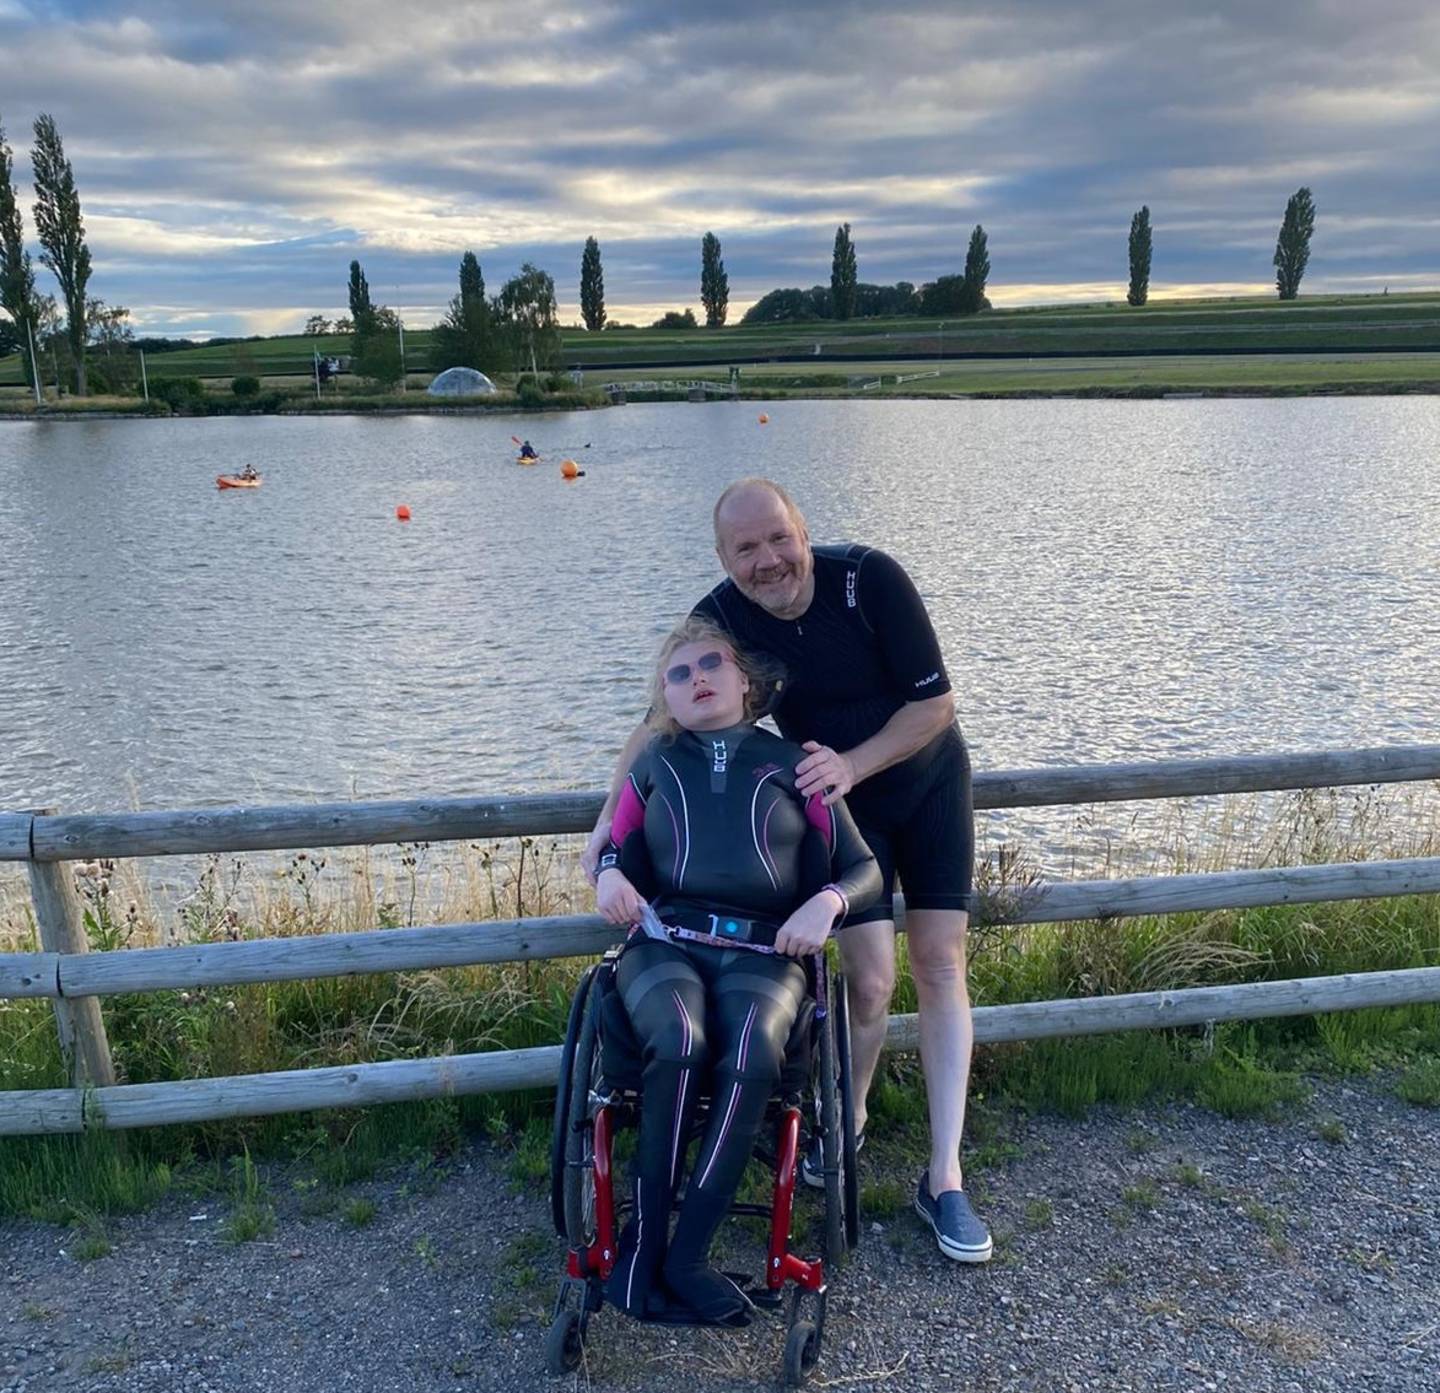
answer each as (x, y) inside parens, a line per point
(563, 1090)
(802, 1352)
(830, 1140)
(564, 1343)
(579, 1168)
(850, 1175)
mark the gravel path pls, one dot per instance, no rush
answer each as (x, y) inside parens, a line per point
(1159, 1249)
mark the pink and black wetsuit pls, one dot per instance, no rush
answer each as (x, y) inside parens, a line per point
(711, 829)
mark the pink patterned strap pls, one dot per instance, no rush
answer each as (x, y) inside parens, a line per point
(821, 818)
(629, 813)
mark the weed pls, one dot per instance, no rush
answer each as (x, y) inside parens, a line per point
(93, 1243)
(1187, 1173)
(1332, 1130)
(1039, 1214)
(1238, 1085)
(1143, 1195)
(1420, 1084)
(884, 1199)
(251, 1214)
(359, 1213)
(116, 1361)
(1271, 1220)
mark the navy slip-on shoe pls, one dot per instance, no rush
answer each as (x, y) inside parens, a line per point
(959, 1231)
(812, 1163)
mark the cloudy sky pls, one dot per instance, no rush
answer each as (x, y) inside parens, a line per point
(233, 155)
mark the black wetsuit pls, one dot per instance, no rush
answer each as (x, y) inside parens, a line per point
(862, 650)
(710, 828)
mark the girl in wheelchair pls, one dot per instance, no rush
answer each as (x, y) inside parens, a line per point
(748, 878)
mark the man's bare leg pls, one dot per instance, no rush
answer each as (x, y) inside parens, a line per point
(936, 942)
(867, 952)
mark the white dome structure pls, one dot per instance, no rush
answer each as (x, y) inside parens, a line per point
(461, 382)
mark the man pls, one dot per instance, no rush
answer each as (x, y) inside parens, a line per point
(865, 692)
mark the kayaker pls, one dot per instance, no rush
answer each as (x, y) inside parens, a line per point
(527, 451)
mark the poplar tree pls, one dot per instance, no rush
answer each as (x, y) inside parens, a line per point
(466, 337)
(17, 272)
(1139, 290)
(714, 283)
(1292, 248)
(362, 311)
(592, 287)
(844, 274)
(977, 272)
(61, 230)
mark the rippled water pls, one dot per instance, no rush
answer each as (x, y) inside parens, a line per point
(1111, 580)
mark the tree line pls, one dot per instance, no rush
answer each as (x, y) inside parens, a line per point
(91, 343)
(37, 328)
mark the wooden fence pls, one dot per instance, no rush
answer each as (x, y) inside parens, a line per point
(75, 979)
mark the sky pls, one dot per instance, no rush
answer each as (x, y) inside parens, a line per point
(232, 156)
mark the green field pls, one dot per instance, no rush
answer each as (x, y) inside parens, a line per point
(1241, 374)
(1338, 323)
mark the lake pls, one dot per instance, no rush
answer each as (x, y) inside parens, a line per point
(1111, 580)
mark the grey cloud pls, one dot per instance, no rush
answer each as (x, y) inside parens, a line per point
(286, 138)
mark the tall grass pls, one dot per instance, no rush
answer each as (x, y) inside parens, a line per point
(285, 1025)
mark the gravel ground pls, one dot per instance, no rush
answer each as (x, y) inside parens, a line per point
(1159, 1249)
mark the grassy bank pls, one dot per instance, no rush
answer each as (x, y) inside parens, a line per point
(1071, 377)
(166, 1035)
(296, 397)
(1334, 323)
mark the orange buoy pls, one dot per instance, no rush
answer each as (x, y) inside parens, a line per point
(764, 419)
(569, 469)
(403, 513)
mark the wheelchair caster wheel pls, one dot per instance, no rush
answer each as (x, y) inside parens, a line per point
(802, 1352)
(564, 1342)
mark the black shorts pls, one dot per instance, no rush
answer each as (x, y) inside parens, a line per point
(928, 841)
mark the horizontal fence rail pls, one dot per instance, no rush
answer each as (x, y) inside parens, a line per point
(91, 836)
(582, 935)
(125, 1106)
(75, 979)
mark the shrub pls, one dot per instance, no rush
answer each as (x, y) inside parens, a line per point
(180, 393)
(246, 386)
(676, 319)
(530, 392)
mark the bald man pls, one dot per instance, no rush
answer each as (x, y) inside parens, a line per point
(864, 691)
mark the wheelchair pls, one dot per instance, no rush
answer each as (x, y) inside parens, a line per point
(599, 1094)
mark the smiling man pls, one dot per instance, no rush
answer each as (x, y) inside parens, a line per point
(865, 692)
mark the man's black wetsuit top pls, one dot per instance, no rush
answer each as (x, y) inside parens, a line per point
(711, 829)
(863, 649)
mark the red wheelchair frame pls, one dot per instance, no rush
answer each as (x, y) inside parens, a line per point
(587, 1117)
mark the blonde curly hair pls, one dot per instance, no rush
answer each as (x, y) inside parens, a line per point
(695, 629)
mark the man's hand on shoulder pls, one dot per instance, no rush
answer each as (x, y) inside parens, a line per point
(826, 771)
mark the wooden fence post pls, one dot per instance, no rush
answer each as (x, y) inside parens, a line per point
(61, 923)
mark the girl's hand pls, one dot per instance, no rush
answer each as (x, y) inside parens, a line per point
(806, 931)
(617, 900)
(599, 840)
